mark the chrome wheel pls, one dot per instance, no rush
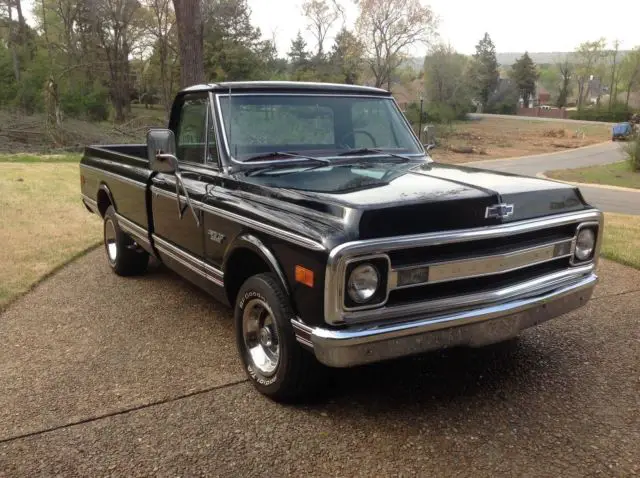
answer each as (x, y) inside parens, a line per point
(110, 241)
(260, 335)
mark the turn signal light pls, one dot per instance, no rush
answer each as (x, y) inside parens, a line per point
(304, 276)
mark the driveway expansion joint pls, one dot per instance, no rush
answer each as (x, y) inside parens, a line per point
(123, 411)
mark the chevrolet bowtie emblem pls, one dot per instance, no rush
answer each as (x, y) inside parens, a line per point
(499, 211)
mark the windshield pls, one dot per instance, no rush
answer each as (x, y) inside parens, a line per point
(314, 124)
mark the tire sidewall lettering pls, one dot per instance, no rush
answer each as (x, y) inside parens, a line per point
(251, 294)
(253, 373)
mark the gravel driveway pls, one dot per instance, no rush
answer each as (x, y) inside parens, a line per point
(105, 376)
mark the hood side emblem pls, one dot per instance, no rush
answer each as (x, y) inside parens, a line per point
(499, 211)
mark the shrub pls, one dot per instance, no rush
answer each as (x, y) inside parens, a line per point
(618, 113)
(633, 152)
(92, 104)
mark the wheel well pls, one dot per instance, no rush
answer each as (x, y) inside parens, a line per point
(242, 264)
(103, 202)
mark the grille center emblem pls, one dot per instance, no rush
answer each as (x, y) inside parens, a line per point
(499, 211)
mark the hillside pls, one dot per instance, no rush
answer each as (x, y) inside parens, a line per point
(509, 58)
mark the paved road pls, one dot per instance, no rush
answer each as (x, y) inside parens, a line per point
(105, 376)
(605, 199)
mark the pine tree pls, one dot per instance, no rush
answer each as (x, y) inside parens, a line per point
(298, 53)
(525, 75)
(485, 70)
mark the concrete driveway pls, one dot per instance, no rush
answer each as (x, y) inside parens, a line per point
(105, 376)
(610, 200)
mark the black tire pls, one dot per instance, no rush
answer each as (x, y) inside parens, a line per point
(124, 256)
(297, 374)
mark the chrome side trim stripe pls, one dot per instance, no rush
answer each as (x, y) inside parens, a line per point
(279, 233)
(139, 233)
(119, 177)
(92, 203)
(193, 263)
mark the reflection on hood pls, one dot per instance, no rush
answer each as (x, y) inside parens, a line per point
(333, 179)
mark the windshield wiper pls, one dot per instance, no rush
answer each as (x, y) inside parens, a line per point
(278, 154)
(359, 151)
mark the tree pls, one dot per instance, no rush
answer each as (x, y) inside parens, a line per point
(484, 72)
(321, 15)
(388, 28)
(566, 70)
(613, 84)
(232, 46)
(588, 59)
(161, 28)
(190, 40)
(630, 72)
(445, 84)
(118, 29)
(524, 73)
(298, 54)
(346, 56)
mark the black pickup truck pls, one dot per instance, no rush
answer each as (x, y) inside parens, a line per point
(316, 213)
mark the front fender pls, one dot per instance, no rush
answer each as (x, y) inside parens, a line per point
(253, 243)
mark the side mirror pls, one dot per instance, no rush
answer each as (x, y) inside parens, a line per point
(161, 151)
(429, 147)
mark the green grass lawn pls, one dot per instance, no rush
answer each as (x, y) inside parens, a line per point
(41, 158)
(616, 174)
(43, 223)
(622, 239)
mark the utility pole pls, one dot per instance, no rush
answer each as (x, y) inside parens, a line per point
(420, 120)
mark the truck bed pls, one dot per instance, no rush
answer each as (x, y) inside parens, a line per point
(119, 173)
(138, 151)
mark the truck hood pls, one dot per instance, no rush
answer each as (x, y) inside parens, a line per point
(387, 200)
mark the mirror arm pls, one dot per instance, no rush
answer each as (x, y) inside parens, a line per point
(165, 156)
(180, 184)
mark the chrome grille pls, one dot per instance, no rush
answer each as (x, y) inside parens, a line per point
(457, 269)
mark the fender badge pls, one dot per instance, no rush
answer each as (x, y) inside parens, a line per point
(215, 236)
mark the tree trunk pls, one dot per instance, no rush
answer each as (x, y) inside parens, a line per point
(13, 37)
(628, 95)
(190, 39)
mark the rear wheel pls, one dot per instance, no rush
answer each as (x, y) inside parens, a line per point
(272, 358)
(124, 256)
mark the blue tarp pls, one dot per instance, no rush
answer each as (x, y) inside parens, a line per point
(622, 129)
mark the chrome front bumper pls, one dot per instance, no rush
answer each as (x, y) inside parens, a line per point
(363, 344)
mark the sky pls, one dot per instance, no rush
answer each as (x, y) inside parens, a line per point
(551, 25)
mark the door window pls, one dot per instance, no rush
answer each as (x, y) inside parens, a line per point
(192, 130)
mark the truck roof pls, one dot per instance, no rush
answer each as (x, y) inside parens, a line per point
(285, 86)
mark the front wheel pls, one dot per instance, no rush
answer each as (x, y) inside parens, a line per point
(276, 364)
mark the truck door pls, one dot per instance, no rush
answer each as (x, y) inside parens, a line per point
(178, 235)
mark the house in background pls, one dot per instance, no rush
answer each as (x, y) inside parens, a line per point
(543, 97)
(540, 97)
(595, 90)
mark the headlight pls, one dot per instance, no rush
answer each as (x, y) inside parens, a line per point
(363, 283)
(585, 244)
